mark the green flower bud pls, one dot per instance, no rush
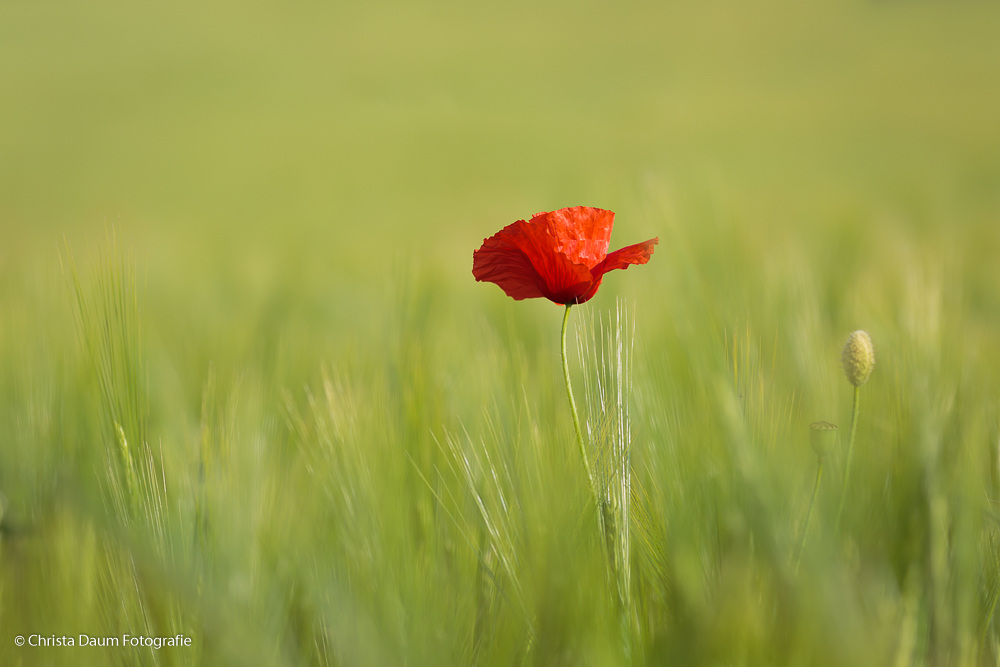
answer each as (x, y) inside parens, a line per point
(858, 358)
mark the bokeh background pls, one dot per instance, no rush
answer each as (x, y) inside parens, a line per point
(322, 135)
(290, 194)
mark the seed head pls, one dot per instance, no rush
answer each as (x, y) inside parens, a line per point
(821, 437)
(858, 357)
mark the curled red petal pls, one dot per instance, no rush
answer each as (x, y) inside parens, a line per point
(591, 291)
(582, 233)
(522, 260)
(507, 266)
(624, 257)
(619, 259)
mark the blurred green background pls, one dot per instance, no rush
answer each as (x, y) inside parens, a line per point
(326, 129)
(288, 196)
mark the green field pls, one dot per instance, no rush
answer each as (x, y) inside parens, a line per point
(250, 392)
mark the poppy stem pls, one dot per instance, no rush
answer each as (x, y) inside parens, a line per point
(850, 451)
(809, 513)
(572, 404)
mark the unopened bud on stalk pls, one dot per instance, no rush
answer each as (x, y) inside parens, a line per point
(858, 357)
(821, 437)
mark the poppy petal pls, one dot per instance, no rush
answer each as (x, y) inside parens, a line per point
(589, 294)
(581, 233)
(509, 268)
(521, 260)
(623, 257)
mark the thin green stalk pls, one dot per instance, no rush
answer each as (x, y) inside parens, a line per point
(987, 624)
(809, 513)
(850, 451)
(572, 405)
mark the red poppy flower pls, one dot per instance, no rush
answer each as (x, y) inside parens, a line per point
(561, 255)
